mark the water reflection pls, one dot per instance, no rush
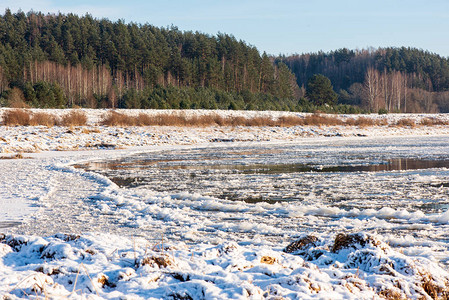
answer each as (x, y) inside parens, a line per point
(396, 164)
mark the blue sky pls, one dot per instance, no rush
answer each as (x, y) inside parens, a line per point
(280, 26)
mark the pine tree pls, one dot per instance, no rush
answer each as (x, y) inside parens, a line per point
(320, 91)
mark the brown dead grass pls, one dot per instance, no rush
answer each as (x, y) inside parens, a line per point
(366, 122)
(344, 241)
(117, 119)
(433, 122)
(289, 121)
(322, 120)
(268, 260)
(167, 120)
(164, 119)
(17, 117)
(24, 117)
(316, 119)
(432, 289)
(18, 104)
(391, 294)
(301, 244)
(15, 156)
(44, 119)
(104, 281)
(74, 118)
(162, 261)
(406, 122)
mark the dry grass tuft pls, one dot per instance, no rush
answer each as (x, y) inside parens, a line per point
(160, 261)
(68, 237)
(18, 104)
(288, 121)
(23, 117)
(90, 251)
(206, 120)
(48, 271)
(103, 280)
(169, 120)
(44, 119)
(364, 122)
(318, 120)
(432, 289)
(144, 120)
(433, 122)
(261, 121)
(391, 294)
(90, 130)
(17, 117)
(406, 123)
(15, 156)
(74, 118)
(180, 119)
(268, 260)
(301, 244)
(344, 241)
(117, 119)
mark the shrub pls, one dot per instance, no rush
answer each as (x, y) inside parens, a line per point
(260, 121)
(117, 119)
(144, 120)
(318, 119)
(17, 117)
(433, 122)
(16, 99)
(44, 119)
(172, 120)
(290, 121)
(382, 111)
(406, 123)
(74, 118)
(364, 122)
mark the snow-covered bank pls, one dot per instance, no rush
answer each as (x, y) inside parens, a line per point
(111, 267)
(94, 136)
(125, 243)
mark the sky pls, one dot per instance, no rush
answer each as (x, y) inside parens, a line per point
(281, 26)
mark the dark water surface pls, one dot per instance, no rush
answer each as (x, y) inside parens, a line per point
(267, 173)
(394, 164)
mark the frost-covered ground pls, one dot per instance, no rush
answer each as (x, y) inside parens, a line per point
(41, 138)
(71, 233)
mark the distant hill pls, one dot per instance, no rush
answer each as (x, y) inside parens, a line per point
(394, 79)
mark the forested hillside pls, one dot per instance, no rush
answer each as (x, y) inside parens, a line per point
(386, 79)
(67, 60)
(70, 61)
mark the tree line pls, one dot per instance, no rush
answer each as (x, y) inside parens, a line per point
(100, 63)
(65, 60)
(386, 79)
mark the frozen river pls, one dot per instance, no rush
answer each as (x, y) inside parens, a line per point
(265, 193)
(220, 216)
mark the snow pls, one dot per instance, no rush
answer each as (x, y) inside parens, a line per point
(71, 233)
(111, 267)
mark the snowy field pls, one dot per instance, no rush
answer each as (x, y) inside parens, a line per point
(301, 212)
